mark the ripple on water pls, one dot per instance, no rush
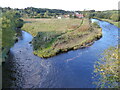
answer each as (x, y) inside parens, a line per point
(72, 69)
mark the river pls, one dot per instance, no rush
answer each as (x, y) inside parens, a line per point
(72, 69)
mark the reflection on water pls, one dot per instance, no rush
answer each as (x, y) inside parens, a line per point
(68, 70)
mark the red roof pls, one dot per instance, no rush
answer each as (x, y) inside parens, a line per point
(79, 15)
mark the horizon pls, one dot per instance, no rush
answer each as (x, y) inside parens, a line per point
(66, 5)
(59, 9)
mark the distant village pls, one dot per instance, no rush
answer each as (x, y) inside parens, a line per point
(31, 12)
(75, 15)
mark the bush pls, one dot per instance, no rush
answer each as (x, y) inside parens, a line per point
(95, 24)
(10, 21)
(108, 69)
(115, 17)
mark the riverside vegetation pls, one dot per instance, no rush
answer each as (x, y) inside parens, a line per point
(10, 23)
(116, 23)
(111, 16)
(53, 36)
(107, 68)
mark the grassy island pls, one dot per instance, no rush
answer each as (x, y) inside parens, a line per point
(53, 36)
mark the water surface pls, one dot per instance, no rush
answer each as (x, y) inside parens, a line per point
(67, 70)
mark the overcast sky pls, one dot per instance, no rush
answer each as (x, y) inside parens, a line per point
(62, 4)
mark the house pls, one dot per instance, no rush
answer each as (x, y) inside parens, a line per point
(66, 16)
(59, 17)
(79, 15)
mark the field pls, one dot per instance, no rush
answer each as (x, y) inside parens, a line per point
(53, 36)
(49, 25)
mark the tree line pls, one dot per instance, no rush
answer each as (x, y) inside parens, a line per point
(37, 12)
(10, 23)
(31, 12)
(109, 14)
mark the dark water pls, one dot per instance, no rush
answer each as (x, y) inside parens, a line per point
(68, 70)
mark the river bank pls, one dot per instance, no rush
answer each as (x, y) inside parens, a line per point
(50, 42)
(68, 70)
(110, 21)
(9, 31)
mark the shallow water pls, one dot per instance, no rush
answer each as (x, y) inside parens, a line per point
(67, 70)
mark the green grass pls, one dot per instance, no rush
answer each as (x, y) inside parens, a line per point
(46, 25)
(52, 36)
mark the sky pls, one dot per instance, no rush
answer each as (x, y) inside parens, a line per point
(71, 5)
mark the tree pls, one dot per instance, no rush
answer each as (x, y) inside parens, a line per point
(46, 14)
(107, 68)
(115, 17)
(10, 22)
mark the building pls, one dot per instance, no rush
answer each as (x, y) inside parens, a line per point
(59, 17)
(79, 15)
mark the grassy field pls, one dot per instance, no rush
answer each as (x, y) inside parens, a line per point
(53, 36)
(48, 25)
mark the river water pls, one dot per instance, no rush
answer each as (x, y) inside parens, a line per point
(67, 70)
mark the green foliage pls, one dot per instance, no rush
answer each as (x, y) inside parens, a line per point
(10, 22)
(112, 22)
(32, 12)
(111, 15)
(46, 14)
(108, 69)
(0, 38)
(115, 17)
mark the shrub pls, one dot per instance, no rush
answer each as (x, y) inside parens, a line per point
(114, 17)
(108, 69)
(95, 24)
